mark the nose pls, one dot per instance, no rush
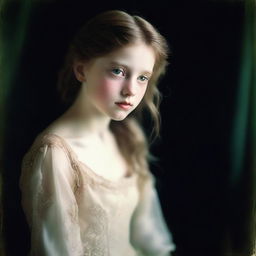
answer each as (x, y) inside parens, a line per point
(129, 87)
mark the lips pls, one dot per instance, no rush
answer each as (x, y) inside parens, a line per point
(124, 105)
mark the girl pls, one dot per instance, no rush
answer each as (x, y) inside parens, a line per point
(86, 186)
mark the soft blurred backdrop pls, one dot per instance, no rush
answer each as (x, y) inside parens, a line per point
(206, 169)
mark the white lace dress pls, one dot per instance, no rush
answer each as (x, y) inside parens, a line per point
(72, 211)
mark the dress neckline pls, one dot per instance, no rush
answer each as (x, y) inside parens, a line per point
(78, 163)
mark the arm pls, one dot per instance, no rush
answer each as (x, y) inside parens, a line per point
(149, 233)
(50, 205)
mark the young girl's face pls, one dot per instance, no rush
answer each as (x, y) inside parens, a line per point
(116, 83)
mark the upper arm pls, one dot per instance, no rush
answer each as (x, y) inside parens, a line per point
(149, 232)
(49, 202)
(45, 172)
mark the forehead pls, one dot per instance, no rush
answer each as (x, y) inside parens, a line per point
(139, 57)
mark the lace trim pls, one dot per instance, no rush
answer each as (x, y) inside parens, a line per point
(39, 145)
(92, 177)
(95, 237)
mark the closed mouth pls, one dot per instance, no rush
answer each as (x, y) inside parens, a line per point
(124, 103)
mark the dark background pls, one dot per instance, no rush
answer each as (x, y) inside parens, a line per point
(193, 174)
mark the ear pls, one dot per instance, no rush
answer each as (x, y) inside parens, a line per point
(79, 71)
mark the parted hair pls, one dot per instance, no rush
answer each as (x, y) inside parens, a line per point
(103, 34)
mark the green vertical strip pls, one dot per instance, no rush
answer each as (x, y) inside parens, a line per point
(253, 100)
(243, 143)
(12, 37)
(243, 100)
(252, 9)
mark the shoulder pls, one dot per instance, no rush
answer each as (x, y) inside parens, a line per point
(146, 180)
(48, 158)
(43, 145)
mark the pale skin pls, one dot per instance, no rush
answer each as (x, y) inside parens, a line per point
(121, 76)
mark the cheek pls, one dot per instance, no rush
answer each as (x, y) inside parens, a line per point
(142, 92)
(108, 88)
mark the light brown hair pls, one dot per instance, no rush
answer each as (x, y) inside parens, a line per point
(102, 35)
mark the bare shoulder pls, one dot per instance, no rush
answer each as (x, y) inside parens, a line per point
(61, 127)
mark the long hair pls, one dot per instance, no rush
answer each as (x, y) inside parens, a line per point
(103, 34)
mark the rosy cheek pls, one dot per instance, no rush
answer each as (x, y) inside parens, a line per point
(107, 88)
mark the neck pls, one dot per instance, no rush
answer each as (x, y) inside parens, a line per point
(86, 119)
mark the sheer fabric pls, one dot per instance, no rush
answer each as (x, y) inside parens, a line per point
(72, 211)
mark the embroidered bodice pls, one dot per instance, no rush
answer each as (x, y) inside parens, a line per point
(72, 211)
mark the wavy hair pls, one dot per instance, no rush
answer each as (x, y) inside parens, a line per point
(103, 34)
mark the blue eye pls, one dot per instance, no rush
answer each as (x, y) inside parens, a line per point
(143, 78)
(117, 71)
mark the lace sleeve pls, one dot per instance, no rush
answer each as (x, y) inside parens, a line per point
(149, 232)
(49, 202)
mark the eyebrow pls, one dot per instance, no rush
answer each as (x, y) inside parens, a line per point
(123, 65)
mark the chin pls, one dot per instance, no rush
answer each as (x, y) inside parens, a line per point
(119, 117)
